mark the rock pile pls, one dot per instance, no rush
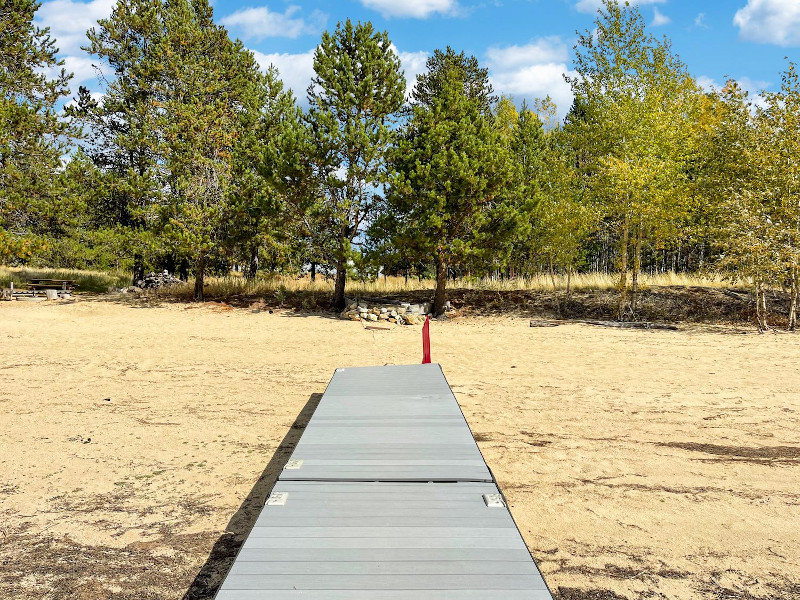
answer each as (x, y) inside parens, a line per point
(403, 313)
(156, 280)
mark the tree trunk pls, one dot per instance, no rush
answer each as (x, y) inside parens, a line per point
(793, 302)
(183, 270)
(138, 268)
(199, 275)
(441, 285)
(339, 303)
(623, 273)
(313, 271)
(169, 263)
(569, 278)
(252, 265)
(552, 272)
(637, 267)
(761, 307)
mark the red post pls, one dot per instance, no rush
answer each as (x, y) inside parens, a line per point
(426, 341)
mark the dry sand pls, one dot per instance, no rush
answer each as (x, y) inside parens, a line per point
(638, 464)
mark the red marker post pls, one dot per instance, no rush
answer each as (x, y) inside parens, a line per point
(426, 341)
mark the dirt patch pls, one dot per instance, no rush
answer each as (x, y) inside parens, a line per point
(669, 304)
(761, 454)
(565, 593)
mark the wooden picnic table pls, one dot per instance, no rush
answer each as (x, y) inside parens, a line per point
(51, 284)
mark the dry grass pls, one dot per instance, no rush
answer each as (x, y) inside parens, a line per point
(233, 285)
(283, 287)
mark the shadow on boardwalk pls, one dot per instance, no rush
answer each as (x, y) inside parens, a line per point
(219, 561)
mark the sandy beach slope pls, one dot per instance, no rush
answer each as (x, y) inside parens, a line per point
(638, 464)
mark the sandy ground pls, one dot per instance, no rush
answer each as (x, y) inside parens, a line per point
(638, 464)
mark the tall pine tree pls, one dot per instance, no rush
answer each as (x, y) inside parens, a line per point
(33, 138)
(448, 201)
(357, 89)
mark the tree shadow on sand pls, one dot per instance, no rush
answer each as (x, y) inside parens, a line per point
(219, 561)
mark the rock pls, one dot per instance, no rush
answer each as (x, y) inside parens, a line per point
(401, 310)
(411, 319)
(375, 310)
(156, 280)
(393, 313)
(355, 318)
(372, 317)
(383, 316)
(384, 310)
(392, 320)
(405, 304)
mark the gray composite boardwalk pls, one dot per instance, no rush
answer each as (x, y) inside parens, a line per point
(387, 503)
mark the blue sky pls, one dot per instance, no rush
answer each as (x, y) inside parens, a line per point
(526, 44)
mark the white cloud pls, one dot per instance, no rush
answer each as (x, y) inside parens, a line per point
(82, 68)
(296, 70)
(532, 71)
(545, 50)
(591, 6)
(418, 9)
(260, 22)
(770, 21)
(659, 18)
(413, 64)
(69, 20)
(700, 21)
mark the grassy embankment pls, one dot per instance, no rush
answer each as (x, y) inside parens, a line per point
(666, 297)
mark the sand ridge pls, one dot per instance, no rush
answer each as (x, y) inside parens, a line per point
(638, 464)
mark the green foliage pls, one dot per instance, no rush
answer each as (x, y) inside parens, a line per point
(448, 198)
(637, 105)
(357, 89)
(207, 89)
(32, 137)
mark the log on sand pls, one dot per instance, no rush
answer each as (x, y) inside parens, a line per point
(632, 325)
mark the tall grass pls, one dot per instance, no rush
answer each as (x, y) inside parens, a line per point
(232, 286)
(96, 282)
(235, 285)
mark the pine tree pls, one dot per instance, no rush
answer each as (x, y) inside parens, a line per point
(207, 86)
(449, 197)
(266, 153)
(122, 135)
(357, 89)
(33, 138)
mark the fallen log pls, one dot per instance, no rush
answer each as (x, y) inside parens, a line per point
(542, 323)
(632, 325)
(736, 296)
